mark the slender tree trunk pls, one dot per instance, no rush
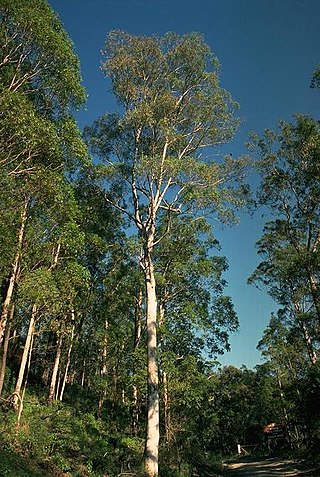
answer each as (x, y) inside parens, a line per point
(314, 291)
(135, 410)
(25, 383)
(53, 383)
(137, 338)
(152, 440)
(64, 379)
(4, 352)
(164, 379)
(284, 410)
(47, 358)
(14, 272)
(55, 377)
(27, 349)
(310, 349)
(307, 339)
(83, 375)
(138, 320)
(166, 407)
(104, 368)
(45, 375)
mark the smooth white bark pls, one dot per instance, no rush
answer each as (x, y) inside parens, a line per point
(55, 369)
(66, 371)
(153, 434)
(26, 351)
(14, 273)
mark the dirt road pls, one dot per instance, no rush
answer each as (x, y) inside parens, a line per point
(270, 468)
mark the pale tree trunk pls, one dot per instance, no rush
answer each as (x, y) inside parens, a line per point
(4, 352)
(104, 367)
(25, 383)
(138, 320)
(306, 335)
(284, 409)
(314, 291)
(45, 375)
(53, 383)
(26, 351)
(164, 380)
(135, 410)
(312, 280)
(152, 440)
(137, 338)
(114, 387)
(46, 371)
(166, 407)
(14, 272)
(72, 376)
(310, 349)
(83, 375)
(66, 371)
(293, 435)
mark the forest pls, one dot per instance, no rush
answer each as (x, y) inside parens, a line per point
(114, 309)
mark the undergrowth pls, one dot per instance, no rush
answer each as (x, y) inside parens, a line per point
(60, 441)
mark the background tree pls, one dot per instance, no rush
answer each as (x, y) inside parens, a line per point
(289, 247)
(315, 80)
(39, 83)
(39, 146)
(290, 244)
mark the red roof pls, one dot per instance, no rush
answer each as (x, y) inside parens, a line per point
(272, 427)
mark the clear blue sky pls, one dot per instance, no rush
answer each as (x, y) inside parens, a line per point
(267, 50)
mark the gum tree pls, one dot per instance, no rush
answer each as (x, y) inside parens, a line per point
(39, 85)
(289, 247)
(156, 156)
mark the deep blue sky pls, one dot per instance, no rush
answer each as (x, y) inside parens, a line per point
(267, 50)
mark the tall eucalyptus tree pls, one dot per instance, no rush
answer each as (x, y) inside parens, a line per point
(156, 156)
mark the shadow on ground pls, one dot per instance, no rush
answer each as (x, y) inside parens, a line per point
(270, 468)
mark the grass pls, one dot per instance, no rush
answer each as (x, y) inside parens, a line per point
(13, 465)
